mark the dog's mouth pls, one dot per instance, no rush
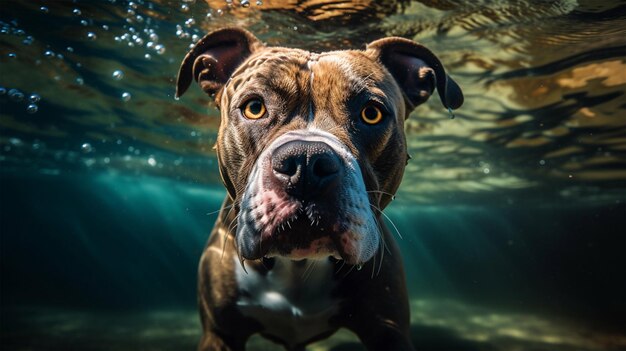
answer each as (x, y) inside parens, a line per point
(306, 198)
(310, 231)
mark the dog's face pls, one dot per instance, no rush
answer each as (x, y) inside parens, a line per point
(311, 146)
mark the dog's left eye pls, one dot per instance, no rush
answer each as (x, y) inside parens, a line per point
(371, 114)
(254, 109)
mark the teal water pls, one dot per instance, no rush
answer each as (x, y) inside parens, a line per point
(511, 215)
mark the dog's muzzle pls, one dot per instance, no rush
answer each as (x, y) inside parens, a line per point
(305, 198)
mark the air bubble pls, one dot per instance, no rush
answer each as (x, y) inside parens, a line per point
(76, 12)
(12, 55)
(126, 96)
(32, 108)
(3, 91)
(86, 148)
(118, 74)
(91, 36)
(16, 95)
(190, 22)
(259, 2)
(151, 161)
(84, 23)
(34, 98)
(80, 81)
(48, 53)
(359, 267)
(245, 3)
(160, 49)
(147, 56)
(44, 9)
(542, 162)
(184, 8)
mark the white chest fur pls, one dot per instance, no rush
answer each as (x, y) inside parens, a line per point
(292, 301)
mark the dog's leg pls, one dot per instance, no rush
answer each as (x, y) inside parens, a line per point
(224, 328)
(380, 313)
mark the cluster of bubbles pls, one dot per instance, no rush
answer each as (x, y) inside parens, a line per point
(11, 28)
(243, 3)
(140, 29)
(183, 31)
(134, 37)
(17, 96)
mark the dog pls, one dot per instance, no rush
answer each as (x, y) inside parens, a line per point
(311, 149)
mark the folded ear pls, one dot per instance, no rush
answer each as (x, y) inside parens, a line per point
(214, 58)
(417, 71)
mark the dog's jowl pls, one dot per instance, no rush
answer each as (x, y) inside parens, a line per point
(311, 149)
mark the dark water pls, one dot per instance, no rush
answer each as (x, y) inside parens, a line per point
(513, 214)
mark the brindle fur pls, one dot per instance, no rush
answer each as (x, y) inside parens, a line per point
(303, 90)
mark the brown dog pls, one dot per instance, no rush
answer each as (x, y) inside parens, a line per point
(311, 148)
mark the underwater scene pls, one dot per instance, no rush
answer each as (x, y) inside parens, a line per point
(511, 216)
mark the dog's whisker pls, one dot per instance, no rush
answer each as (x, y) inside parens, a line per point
(382, 237)
(225, 237)
(382, 254)
(393, 196)
(382, 245)
(343, 263)
(219, 210)
(233, 224)
(308, 270)
(390, 221)
(350, 270)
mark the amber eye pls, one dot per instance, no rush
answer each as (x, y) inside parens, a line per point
(371, 114)
(254, 109)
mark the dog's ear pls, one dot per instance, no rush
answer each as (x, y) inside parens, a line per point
(214, 58)
(417, 71)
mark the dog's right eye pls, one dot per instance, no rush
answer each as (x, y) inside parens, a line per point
(254, 109)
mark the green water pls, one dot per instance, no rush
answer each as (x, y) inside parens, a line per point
(512, 215)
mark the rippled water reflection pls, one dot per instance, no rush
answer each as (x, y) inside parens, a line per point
(86, 92)
(544, 111)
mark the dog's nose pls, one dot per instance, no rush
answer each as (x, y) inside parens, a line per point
(306, 169)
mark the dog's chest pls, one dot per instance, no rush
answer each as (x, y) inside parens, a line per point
(292, 301)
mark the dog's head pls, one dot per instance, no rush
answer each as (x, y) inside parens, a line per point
(311, 146)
